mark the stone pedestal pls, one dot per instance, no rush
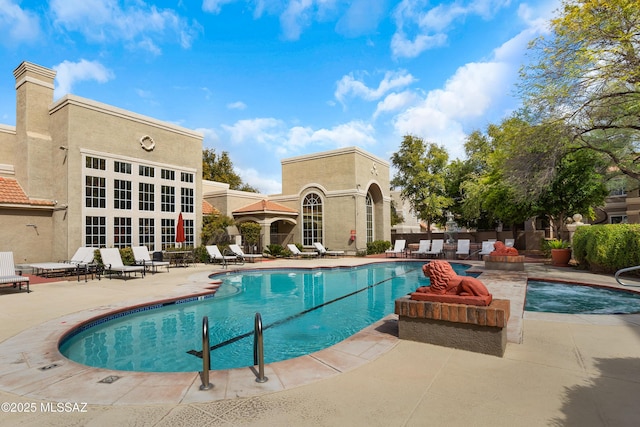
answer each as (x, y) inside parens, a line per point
(481, 329)
(500, 262)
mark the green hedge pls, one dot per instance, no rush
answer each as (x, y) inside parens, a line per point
(378, 246)
(607, 248)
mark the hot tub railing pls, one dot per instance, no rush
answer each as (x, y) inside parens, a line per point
(627, 270)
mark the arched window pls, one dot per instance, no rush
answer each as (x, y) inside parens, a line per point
(311, 219)
(369, 211)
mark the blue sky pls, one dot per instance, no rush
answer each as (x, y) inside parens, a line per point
(266, 80)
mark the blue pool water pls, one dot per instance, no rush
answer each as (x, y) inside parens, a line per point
(302, 310)
(551, 297)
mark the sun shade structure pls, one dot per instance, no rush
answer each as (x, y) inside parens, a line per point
(180, 238)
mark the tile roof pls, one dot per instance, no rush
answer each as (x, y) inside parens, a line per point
(266, 206)
(208, 208)
(12, 193)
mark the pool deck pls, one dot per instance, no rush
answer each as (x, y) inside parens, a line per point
(581, 370)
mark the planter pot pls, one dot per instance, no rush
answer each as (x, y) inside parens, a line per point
(560, 257)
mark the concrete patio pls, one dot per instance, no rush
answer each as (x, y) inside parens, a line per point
(564, 370)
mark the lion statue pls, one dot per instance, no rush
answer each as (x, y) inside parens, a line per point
(444, 280)
(503, 250)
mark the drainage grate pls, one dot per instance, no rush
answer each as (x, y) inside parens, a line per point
(47, 367)
(110, 379)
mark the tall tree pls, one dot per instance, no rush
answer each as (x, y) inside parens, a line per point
(220, 168)
(421, 178)
(587, 75)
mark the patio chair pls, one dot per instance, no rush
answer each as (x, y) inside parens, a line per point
(216, 256)
(142, 257)
(113, 264)
(487, 248)
(423, 248)
(322, 251)
(237, 250)
(298, 253)
(437, 248)
(398, 249)
(509, 242)
(464, 246)
(8, 272)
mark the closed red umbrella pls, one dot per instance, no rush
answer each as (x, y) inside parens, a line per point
(180, 230)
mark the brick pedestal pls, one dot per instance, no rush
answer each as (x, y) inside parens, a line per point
(501, 262)
(481, 329)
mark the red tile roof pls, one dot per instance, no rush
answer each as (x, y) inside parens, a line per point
(266, 206)
(208, 208)
(12, 193)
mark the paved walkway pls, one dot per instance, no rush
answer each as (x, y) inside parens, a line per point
(565, 370)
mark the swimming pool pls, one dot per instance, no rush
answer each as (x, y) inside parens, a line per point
(302, 310)
(554, 297)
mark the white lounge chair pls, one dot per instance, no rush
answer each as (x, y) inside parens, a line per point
(398, 249)
(464, 246)
(142, 257)
(509, 242)
(423, 248)
(216, 256)
(437, 247)
(297, 252)
(487, 248)
(8, 272)
(322, 251)
(112, 262)
(239, 252)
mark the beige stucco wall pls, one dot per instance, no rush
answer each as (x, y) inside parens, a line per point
(27, 233)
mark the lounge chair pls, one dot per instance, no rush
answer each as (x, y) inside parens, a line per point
(487, 248)
(398, 249)
(463, 249)
(509, 242)
(298, 253)
(8, 272)
(216, 256)
(423, 248)
(142, 257)
(437, 247)
(237, 250)
(113, 263)
(80, 263)
(322, 251)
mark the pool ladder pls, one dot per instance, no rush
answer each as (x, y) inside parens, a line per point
(626, 270)
(258, 352)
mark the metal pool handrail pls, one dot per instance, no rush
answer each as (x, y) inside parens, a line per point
(258, 349)
(626, 270)
(206, 363)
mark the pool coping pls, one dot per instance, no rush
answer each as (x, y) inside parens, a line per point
(31, 365)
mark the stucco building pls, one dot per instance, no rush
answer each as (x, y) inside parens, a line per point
(75, 172)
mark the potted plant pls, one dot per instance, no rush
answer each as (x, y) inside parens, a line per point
(560, 251)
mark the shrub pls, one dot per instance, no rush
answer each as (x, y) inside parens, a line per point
(607, 248)
(200, 254)
(378, 246)
(127, 256)
(275, 250)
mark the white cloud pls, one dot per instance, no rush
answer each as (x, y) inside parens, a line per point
(68, 73)
(16, 24)
(349, 85)
(261, 130)
(296, 16)
(215, 6)
(238, 105)
(265, 184)
(141, 25)
(395, 102)
(419, 27)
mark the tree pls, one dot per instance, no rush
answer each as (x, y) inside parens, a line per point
(251, 233)
(219, 168)
(587, 76)
(421, 177)
(214, 229)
